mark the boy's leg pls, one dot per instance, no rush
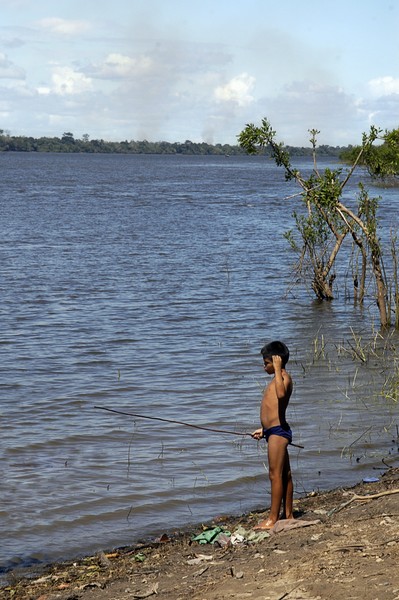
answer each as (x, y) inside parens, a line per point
(276, 450)
(288, 493)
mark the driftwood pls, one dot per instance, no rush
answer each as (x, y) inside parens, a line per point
(362, 499)
(372, 496)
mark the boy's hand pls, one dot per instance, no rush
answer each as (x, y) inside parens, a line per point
(277, 362)
(257, 434)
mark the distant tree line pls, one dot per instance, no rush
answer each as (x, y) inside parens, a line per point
(68, 143)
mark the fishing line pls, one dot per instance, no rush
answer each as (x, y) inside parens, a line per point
(129, 414)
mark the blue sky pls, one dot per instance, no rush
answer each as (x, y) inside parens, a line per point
(199, 69)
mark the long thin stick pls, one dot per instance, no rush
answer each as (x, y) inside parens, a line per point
(129, 414)
(120, 412)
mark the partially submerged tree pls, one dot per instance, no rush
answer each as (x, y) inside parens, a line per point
(325, 220)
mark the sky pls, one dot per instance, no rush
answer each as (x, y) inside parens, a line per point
(199, 70)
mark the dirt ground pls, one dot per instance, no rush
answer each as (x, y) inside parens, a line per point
(351, 552)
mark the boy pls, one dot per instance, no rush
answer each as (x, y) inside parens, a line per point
(277, 432)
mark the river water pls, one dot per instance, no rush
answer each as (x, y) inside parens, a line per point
(148, 284)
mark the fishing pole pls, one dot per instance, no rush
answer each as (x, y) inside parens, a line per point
(129, 414)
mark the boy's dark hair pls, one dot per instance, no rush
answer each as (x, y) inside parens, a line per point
(278, 349)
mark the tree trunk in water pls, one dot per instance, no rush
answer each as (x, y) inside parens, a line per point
(321, 288)
(381, 291)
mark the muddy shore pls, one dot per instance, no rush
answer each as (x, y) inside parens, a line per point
(346, 547)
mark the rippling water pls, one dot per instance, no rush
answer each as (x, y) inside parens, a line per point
(148, 284)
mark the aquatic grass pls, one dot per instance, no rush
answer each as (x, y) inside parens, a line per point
(366, 364)
(202, 473)
(356, 348)
(347, 450)
(355, 377)
(374, 344)
(238, 444)
(334, 427)
(390, 388)
(161, 454)
(227, 270)
(319, 347)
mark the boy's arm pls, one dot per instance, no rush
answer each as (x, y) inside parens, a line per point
(281, 389)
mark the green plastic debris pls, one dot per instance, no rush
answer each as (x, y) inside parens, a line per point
(140, 557)
(209, 536)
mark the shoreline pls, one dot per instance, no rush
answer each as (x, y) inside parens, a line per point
(339, 514)
(28, 566)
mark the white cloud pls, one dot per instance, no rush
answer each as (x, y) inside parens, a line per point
(43, 90)
(384, 86)
(383, 110)
(9, 70)
(67, 82)
(237, 90)
(63, 26)
(120, 66)
(305, 105)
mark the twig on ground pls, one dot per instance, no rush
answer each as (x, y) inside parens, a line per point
(362, 499)
(372, 496)
(288, 593)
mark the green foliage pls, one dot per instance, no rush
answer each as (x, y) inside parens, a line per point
(327, 189)
(381, 161)
(289, 236)
(253, 139)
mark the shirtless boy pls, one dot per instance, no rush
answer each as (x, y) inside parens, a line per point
(277, 432)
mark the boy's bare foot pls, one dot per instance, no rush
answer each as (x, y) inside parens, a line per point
(264, 525)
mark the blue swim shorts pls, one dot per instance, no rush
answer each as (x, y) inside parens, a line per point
(281, 430)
